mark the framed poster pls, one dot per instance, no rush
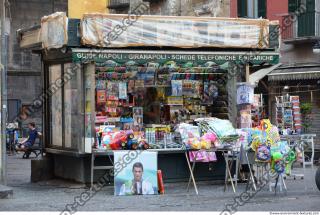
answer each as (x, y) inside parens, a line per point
(139, 174)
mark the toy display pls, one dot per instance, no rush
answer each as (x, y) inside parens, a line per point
(278, 164)
(263, 153)
(186, 95)
(289, 160)
(183, 93)
(265, 141)
(110, 137)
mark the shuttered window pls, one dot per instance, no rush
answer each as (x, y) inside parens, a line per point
(242, 8)
(293, 5)
(262, 8)
(259, 8)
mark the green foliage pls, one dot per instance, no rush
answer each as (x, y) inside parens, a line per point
(306, 108)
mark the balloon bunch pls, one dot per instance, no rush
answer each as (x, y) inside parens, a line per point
(265, 141)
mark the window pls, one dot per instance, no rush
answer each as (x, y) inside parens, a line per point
(55, 105)
(89, 91)
(73, 122)
(293, 5)
(65, 106)
(252, 8)
(262, 8)
(242, 8)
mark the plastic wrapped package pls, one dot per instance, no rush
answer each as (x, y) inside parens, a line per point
(116, 30)
(188, 132)
(222, 128)
(202, 156)
(54, 30)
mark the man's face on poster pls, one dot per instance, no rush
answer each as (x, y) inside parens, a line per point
(137, 173)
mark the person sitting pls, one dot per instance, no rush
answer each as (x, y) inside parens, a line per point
(28, 143)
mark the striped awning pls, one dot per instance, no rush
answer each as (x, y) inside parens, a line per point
(294, 73)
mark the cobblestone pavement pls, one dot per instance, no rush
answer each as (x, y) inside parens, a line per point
(53, 195)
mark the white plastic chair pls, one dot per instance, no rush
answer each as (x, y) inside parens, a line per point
(307, 140)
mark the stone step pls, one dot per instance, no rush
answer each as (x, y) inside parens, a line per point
(5, 192)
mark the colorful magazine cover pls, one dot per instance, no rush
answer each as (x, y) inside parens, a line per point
(176, 86)
(139, 84)
(130, 86)
(210, 92)
(101, 96)
(123, 90)
(113, 89)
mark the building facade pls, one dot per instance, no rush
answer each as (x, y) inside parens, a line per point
(299, 73)
(24, 67)
(300, 70)
(216, 8)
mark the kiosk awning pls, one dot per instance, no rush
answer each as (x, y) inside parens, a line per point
(295, 73)
(260, 74)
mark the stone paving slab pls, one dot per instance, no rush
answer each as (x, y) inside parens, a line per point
(54, 195)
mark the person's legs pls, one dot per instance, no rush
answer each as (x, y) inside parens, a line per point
(19, 146)
(27, 145)
(24, 147)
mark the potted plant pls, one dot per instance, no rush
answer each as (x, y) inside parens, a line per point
(306, 111)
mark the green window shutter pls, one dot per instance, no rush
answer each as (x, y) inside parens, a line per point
(311, 5)
(242, 8)
(262, 8)
(306, 21)
(293, 5)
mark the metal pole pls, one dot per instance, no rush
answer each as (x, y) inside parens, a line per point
(3, 162)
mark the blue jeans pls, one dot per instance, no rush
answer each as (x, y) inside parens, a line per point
(28, 144)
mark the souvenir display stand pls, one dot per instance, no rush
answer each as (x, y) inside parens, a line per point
(300, 143)
(288, 116)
